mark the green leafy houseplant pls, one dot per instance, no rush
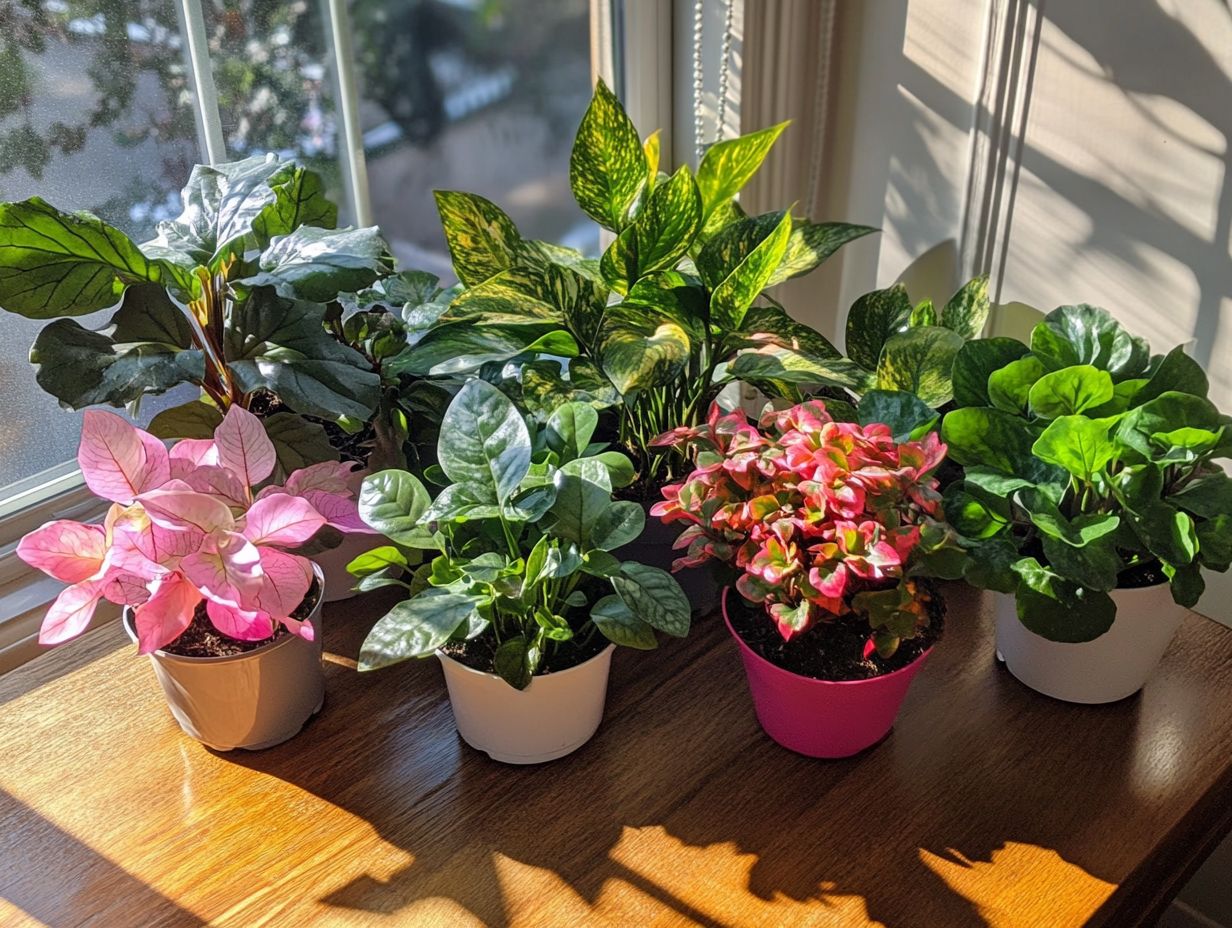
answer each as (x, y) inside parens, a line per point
(891, 346)
(652, 327)
(522, 537)
(231, 296)
(1088, 467)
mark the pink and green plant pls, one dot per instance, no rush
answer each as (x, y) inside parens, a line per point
(186, 525)
(821, 518)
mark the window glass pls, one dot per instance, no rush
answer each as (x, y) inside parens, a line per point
(475, 95)
(96, 114)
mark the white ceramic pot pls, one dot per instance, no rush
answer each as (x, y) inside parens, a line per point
(252, 700)
(1113, 666)
(339, 583)
(554, 716)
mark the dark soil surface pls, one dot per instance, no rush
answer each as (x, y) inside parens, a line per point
(202, 639)
(561, 655)
(830, 650)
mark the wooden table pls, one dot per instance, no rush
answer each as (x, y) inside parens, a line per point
(987, 805)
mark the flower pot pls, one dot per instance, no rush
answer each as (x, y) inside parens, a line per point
(339, 584)
(554, 716)
(701, 584)
(822, 718)
(252, 700)
(1113, 666)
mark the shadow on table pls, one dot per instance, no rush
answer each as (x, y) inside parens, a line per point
(681, 765)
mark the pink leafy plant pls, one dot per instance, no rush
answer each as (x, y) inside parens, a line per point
(821, 518)
(187, 525)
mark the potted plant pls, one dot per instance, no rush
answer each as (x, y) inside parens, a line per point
(523, 599)
(237, 296)
(831, 527)
(205, 566)
(1090, 498)
(648, 332)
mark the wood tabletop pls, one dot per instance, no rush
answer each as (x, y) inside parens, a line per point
(987, 804)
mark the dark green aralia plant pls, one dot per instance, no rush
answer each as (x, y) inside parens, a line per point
(521, 543)
(892, 345)
(232, 296)
(1089, 465)
(649, 330)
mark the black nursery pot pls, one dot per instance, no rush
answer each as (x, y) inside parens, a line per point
(702, 585)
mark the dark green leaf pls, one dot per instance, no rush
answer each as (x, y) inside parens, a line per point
(975, 363)
(607, 167)
(1177, 372)
(979, 435)
(583, 495)
(1208, 496)
(873, 319)
(464, 347)
(1084, 334)
(194, 419)
(569, 429)
(416, 627)
(621, 523)
(1059, 610)
(298, 442)
(299, 200)
(653, 596)
(991, 566)
(1215, 541)
(971, 516)
(920, 361)
(1163, 415)
(620, 626)
(968, 309)
(1187, 584)
(514, 662)
(905, 413)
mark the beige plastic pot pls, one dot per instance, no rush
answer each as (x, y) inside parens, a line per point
(253, 700)
(554, 716)
(1115, 665)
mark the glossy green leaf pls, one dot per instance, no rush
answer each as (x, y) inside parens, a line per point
(967, 310)
(545, 386)
(1009, 387)
(619, 468)
(971, 516)
(569, 429)
(1078, 532)
(1167, 532)
(920, 361)
(64, 264)
(194, 419)
(299, 200)
(1083, 334)
(1208, 496)
(621, 523)
(990, 566)
(583, 495)
(1058, 609)
(482, 240)
(785, 365)
(770, 325)
(1070, 391)
(873, 319)
(1164, 414)
(638, 350)
(653, 596)
(515, 661)
(978, 435)
(619, 625)
(618, 265)
(728, 165)
(392, 503)
(484, 441)
(416, 627)
(810, 244)
(667, 223)
(905, 413)
(607, 167)
(298, 442)
(1078, 444)
(673, 296)
(1215, 541)
(464, 347)
(975, 363)
(1187, 584)
(385, 557)
(739, 262)
(1177, 372)
(317, 264)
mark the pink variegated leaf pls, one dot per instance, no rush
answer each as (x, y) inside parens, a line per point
(143, 547)
(189, 453)
(246, 625)
(117, 460)
(226, 569)
(341, 512)
(70, 613)
(164, 616)
(69, 551)
(282, 520)
(287, 578)
(181, 508)
(220, 482)
(125, 589)
(244, 447)
(303, 629)
(330, 476)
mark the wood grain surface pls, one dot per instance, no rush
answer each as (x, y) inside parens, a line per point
(987, 804)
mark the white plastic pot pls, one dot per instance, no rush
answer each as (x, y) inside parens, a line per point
(252, 700)
(339, 582)
(554, 716)
(1113, 666)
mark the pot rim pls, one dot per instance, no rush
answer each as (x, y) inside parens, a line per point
(747, 651)
(557, 675)
(126, 619)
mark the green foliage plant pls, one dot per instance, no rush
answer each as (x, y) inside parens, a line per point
(520, 544)
(1089, 465)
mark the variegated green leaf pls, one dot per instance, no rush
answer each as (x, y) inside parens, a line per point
(618, 266)
(811, 243)
(667, 223)
(545, 386)
(770, 325)
(516, 296)
(672, 295)
(920, 360)
(638, 350)
(607, 167)
(482, 240)
(739, 261)
(64, 264)
(875, 317)
(968, 309)
(727, 166)
(784, 365)
(464, 347)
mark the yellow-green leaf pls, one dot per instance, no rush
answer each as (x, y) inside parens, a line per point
(607, 167)
(727, 166)
(482, 240)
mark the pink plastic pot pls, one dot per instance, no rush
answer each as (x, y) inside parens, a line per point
(822, 718)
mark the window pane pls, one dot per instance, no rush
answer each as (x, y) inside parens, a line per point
(95, 113)
(476, 95)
